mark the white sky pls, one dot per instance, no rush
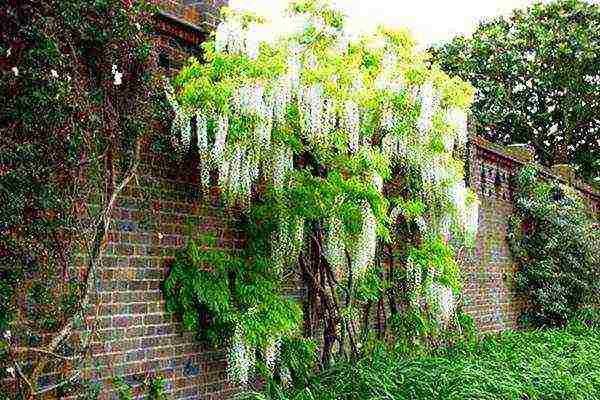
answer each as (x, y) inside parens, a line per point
(430, 21)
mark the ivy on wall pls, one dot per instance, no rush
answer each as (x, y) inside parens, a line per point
(79, 100)
(556, 245)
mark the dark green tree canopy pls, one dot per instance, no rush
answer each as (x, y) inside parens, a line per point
(537, 75)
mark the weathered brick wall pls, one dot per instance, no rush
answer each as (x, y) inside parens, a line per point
(202, 13)
(489, 271)
(163, 208)
(154, 218)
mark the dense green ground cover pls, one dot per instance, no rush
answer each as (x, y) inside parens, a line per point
(545, 365)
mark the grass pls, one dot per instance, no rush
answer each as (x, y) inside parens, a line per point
(541, 365)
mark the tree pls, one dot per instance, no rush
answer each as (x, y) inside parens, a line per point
(78, 102)
(303, 133)
(537, 75)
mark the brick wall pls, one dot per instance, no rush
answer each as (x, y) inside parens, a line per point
(163, 208)
(202, 13)
(160, 211)
(154, 218)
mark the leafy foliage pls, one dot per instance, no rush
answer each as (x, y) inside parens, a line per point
(537, 75)
(225, 296)
(538, 365)
(556, 245)
(78, 87)
(154, 388)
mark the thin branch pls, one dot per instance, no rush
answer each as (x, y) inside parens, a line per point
(41, 350)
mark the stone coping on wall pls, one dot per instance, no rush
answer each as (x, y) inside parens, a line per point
(515, 156)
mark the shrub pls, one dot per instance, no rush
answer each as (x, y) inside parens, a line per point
(556, 247)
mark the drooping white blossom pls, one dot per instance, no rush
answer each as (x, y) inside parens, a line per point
(236, 37)
(240, 359)
(352, 123)
(414, 278)
(221, 36)
(388, 119)
(466, 206)
(458, 194)
(458, 119)
(364, 250)
(201, 125)
(186, 131)
(335, 247)
(472, 218)
(221, 136)
(286, 376)
(444, 299)
(377, 181)
(282, 98)
(429, 102)
(223, 166)
(422, 225)
(252, 41)
(283, 162)
(434, 170)
(315, 109)
(286, 242)
(293, 67)
(118, 76)
(272, 354)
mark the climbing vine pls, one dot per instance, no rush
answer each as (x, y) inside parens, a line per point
(353, 146)
(78, 83)
(556, 245)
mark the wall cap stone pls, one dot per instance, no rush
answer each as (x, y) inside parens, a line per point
(517, 154)
(522, 151)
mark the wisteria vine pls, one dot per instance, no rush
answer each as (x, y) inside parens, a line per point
(322, 122)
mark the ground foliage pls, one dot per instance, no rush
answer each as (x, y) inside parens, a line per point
(556, 245)
(553, 364)
(77, 85)
(537, 75)
(304, 134)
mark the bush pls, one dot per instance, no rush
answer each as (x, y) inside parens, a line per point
(550, 364)
(556, 247)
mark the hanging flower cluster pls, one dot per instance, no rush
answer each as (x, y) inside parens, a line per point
(316, 102)
(241, 360)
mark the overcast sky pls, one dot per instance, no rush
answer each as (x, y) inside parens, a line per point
(430, 21)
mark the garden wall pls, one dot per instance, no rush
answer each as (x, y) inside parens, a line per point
(154, 218)
(164, 207)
